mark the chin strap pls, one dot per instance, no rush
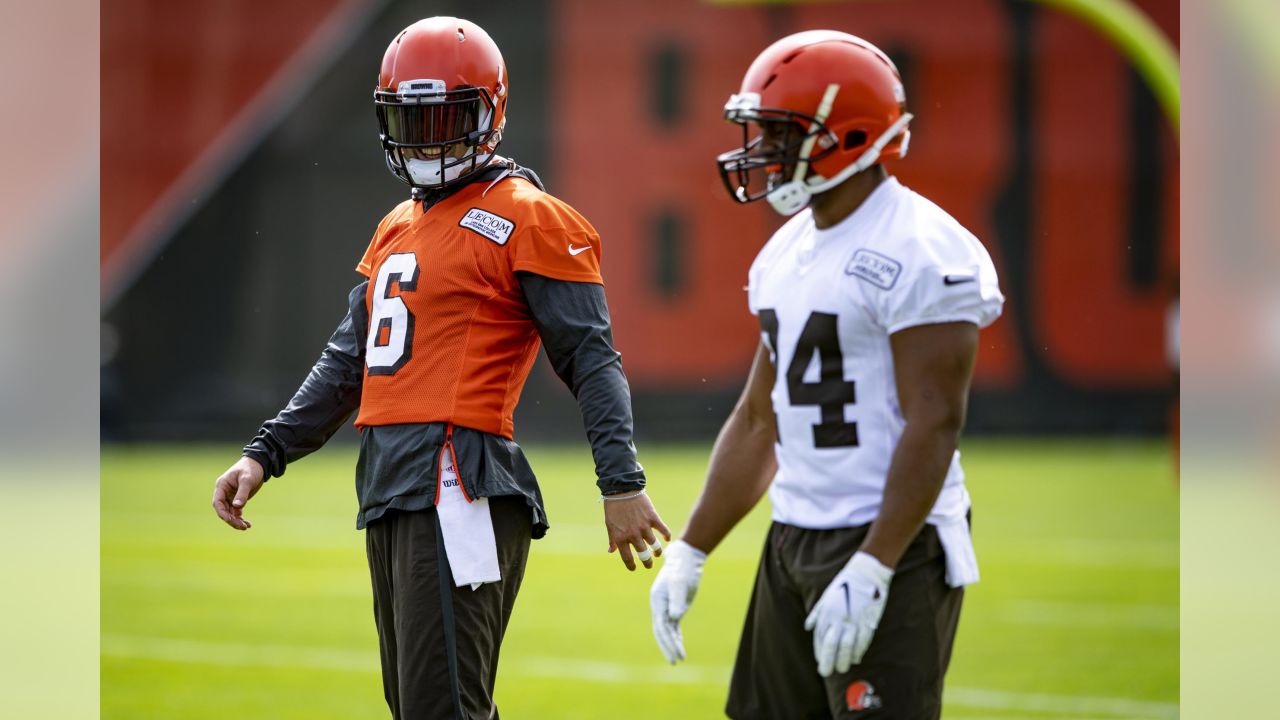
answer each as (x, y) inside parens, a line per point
(792, 197)
(867, 159)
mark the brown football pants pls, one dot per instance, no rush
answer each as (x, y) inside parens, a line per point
(439, 643)
(900, 677)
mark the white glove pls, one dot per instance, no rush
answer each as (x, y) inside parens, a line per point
(672, 592)
(846, 616)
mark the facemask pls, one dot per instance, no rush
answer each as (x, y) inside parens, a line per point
(427, 172)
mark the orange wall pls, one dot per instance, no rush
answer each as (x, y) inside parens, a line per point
(1073, 309)
(175, 75)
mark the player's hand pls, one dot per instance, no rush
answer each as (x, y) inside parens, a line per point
(234, 488)
(672, 593)
(630, 524)
(846, 616)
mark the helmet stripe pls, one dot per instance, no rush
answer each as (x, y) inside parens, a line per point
(819, 120)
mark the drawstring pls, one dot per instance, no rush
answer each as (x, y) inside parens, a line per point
(457, 470)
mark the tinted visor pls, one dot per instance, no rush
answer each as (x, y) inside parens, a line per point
(451, 117)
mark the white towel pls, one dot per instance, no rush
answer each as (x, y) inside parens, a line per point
(957, 544)
(467, 528)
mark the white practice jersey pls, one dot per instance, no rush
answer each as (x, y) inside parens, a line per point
(828, 300)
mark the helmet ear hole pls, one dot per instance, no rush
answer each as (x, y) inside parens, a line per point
(855, 138)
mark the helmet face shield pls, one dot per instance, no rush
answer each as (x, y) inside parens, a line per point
(432, 136)
(770, 159)
(424, 125)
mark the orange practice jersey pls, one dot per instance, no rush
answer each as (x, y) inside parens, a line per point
(450, 336)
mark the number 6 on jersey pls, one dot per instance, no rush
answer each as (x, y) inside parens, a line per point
(390, 340)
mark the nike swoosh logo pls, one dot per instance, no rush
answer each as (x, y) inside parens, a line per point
(574, 251)
(957, 279)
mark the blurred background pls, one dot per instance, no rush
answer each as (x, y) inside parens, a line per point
(242, 179)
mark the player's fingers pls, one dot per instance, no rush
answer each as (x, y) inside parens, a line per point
(651, 541)
(820, 629)
(677, 638)
(659, 637)
(218, 503)
(812, 620)
(667, 634)
(662, 527)
(643, 553)
(222, 489)
(845, 649)
(221, 506)
(243, 491)
(624, 551)
(222, 509)
(661, 631)
(827, 651)
(861, 645)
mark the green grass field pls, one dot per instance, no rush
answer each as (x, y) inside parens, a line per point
(1076, 615)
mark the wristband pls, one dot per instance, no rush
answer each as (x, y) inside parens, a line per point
(615, 498)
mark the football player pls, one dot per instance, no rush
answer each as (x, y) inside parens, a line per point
(463, 281)
(869, 299)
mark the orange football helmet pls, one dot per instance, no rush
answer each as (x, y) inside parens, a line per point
(829, 105)
(441, 101)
